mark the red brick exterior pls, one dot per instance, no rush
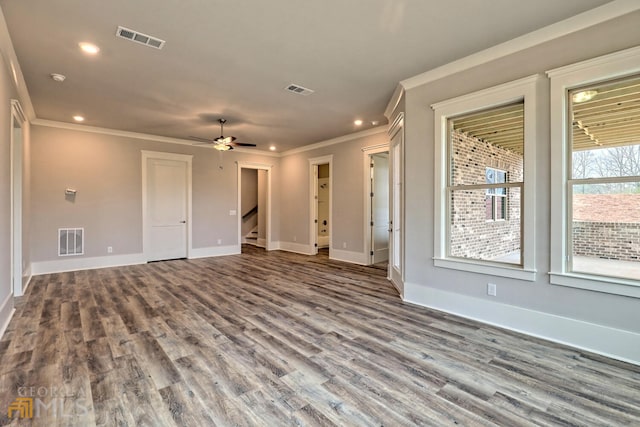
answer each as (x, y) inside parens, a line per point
(471, 235)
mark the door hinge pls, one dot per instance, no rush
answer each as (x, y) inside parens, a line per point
(315, 220)
(371, 253)
(371, 194)
(315, 244)
(372, 223)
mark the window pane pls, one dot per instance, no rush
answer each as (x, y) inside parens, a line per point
(606, 129)
(606, 229)
(472, 236)
(487, 146)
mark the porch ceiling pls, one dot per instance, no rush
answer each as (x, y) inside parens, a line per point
(611, 118)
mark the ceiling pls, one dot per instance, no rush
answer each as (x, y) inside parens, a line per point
(234, 59)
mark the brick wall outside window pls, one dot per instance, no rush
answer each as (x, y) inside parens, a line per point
(471, 235)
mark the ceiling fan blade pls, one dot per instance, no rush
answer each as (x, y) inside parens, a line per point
(242, 144)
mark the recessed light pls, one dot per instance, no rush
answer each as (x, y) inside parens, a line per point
(358, 122)
(89, 48)
(58, 77)
(272, 148)
(584, 96)
(78, 118)
(375, 123)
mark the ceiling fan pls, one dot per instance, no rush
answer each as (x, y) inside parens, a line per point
(222, 143)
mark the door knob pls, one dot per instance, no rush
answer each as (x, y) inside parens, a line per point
(183, 222)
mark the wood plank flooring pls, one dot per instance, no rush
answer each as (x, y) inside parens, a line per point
(275, 339)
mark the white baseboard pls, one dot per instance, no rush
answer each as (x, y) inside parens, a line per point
(6, 313)
(298, 248)
(213, 251)
(611, 342)
(349, 256)
(75, 264)
(26, 279)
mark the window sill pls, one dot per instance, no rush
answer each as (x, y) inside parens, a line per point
(609, 285)
(502, 270)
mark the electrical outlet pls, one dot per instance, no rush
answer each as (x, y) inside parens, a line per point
(232, 212)
(109, 249)
(492, 289)
(295, 238)
(219, 241)
(344, 245)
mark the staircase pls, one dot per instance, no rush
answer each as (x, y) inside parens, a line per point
(251, 237)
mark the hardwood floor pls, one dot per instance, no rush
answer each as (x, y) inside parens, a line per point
(270, 339)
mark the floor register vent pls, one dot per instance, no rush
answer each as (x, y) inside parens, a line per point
(70, 241)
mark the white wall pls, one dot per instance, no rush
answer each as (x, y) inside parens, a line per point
(587, 319)
(106, 172)
(348, 209)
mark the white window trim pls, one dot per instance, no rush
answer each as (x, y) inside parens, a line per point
(608, 67)
(517, 90)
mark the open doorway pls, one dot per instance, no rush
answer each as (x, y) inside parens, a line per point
(252, 207)
(321, 196)
(323, 207)
(379, 209)
(253, 204)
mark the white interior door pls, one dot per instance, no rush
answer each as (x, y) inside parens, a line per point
(16, 198)
(396, 175)
(166, 209)
(380, 207)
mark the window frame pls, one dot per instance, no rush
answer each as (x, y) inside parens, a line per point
(523, 89)
(593, 71)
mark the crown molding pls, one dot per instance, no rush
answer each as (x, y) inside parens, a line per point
(137, 135)
(15, 71)
(394, 101)
(578, 22)
(338, 140)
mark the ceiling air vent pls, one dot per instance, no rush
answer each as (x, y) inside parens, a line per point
(138, 37)
(293, 88)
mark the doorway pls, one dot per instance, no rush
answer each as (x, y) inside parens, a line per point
(323, 208)
(379, 208)
(321, 203)
(166, 205)
(254, 204)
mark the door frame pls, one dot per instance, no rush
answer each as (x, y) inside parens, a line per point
(368, 152)
(17, 170)
(397, 275)
(159, 155)
(259, 166)
(313, 201)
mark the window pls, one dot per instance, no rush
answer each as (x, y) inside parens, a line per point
(496, 198)
(485, 151)
(596, 196)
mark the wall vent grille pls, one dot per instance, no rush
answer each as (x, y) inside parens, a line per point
(70, 241)
(294, 88)
(138, 37)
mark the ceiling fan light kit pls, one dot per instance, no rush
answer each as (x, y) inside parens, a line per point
(223, 143)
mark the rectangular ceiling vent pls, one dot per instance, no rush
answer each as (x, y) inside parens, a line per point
(293, 88)
(138, 37)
